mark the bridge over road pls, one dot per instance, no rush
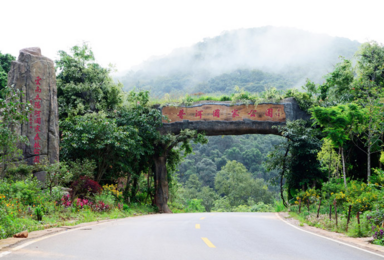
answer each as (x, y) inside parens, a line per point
(220, 118)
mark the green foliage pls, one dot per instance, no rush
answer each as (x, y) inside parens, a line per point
(222, 205)
(5, 67)
(39, 213)
(78, 168)
(237, 184)
(13, 113)
(83, 86)
(98, 138)
(304, 99)
(328, 158)
(194, 205)
(278, 206)
(301, 167)
(57, 174)
(338, 121)
(105, 197)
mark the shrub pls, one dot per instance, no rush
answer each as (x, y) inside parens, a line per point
(100, 206)
(105, 197)
(85, 186)
(66, 201)
(112, 189)
(194, 205)
(261, 207)
(39, 213)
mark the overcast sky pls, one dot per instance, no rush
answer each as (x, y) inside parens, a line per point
(126, 33)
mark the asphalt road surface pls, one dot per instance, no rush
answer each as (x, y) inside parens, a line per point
(190, 236)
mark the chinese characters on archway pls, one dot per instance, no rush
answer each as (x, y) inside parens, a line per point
(216, 113)
(219, 112)
(36, 102)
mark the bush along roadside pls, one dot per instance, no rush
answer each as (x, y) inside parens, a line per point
(357, 211)
(25, 206)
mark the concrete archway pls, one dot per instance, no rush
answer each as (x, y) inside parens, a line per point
(220, 118)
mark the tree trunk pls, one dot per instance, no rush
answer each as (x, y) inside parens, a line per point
(382, 140)
(161, 184)
(282, 176)
(338, 162)
(345, 176)
(134, 188)
(369, 150)
(330, 163)
(369, 164)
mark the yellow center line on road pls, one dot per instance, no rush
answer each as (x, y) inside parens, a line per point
(209, 243)
(197, 226)
(202, 218)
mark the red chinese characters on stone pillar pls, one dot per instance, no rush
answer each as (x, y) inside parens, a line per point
(37, 121)
(181, 114)
(216, 113)
(269, 112)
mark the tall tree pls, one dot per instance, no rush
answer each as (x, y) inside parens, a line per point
(337, 123)
(5, 66)
(296, 159)
(83, 86)
(166, 154)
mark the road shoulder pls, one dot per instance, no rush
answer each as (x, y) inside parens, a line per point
(362, 243)
(12, 243)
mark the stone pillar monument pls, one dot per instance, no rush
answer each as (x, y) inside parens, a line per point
(34, 74)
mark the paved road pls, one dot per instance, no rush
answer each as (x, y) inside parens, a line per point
(190, 236)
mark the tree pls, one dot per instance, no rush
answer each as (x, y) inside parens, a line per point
(139, 115)
(5, 67)
(167, 154)
(361, 84)
(83, 86)
(237, 184)
(337, 123)
(367, 89)
(296, 159)
(328, 158)
(98, 138)
(207, 196)
(13, 113)
(206, 170)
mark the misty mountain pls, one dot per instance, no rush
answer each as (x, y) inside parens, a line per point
(251, 58)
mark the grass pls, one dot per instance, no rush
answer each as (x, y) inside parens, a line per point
(323, 222)
(69, 217)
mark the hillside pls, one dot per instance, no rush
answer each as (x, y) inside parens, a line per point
(251, 58)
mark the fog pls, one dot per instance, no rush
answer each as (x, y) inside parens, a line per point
(292, 52)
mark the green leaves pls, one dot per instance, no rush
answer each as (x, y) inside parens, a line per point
(13, 113)
(338, 121)
(96, 137)
(85, 87)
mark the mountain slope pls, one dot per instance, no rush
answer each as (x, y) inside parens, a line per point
(262, 57)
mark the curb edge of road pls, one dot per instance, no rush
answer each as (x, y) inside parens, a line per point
(14, 246)
(339, 240)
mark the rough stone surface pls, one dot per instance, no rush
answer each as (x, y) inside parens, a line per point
(23, 234)
(246, 126)
(23, 74)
